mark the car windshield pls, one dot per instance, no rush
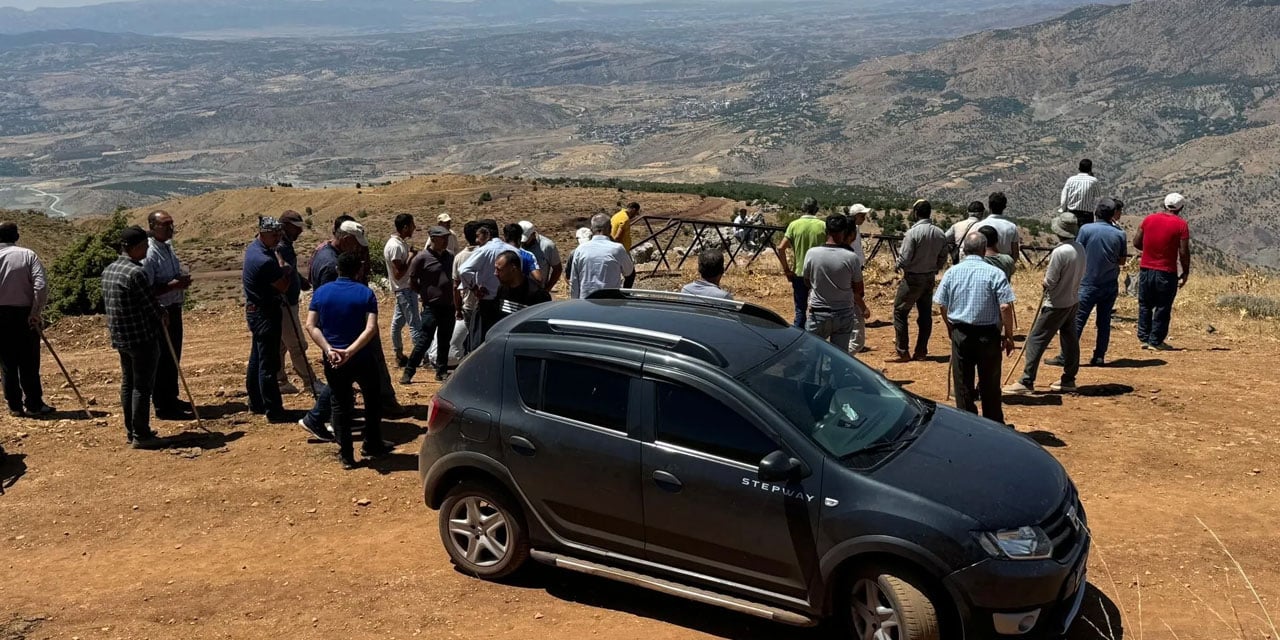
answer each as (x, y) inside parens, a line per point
(838, 402)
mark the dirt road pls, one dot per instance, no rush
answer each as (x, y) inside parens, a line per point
(256, 533)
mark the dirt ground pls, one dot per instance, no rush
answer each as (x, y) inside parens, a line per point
(253, 532)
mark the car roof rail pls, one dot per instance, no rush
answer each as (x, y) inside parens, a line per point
(667, 341)
(744, 308)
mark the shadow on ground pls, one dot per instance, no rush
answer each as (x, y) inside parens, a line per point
(1107, 390)
(219, 411)
(1134, 363)
(199, 440)
(1037, 400)
(12, 467)
(1099, 618)
(393, 463)
(1046, 438)
(67, 414)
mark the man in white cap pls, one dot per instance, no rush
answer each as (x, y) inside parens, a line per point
(544, 251)
(446, 221)
(1058, 310)
(858, 214)
(1165, 242)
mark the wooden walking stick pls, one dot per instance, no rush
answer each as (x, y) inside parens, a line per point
(173, 353)
(298, 328)
(1024, 342)
(65, 374)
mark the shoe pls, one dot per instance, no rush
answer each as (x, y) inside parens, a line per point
(320, 433)
(373, 453)
(406, 377)
(1161, 346)
(347, 461)
(1146, 347)
(18, 413)
(1017, 389)
(287, 388)
(1098, 362)
(919, 356)
(401, 360)
(1056, 361)
(441, 376)
(1063, 387)
(901, 357)
(146, 442)
(42, 410)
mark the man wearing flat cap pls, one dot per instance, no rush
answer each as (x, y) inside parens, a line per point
(293, 341)
(1058, 310)
(266, 277)
(135, 321)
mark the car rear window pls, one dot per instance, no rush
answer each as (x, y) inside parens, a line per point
(694, 420)
(576, 391)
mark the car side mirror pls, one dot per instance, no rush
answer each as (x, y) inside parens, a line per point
(779, 465)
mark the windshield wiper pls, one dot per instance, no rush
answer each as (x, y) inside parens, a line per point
(883, 445)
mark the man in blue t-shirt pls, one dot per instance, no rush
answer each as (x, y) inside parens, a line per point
(343, 322)
(1105, 249)
(266, 277)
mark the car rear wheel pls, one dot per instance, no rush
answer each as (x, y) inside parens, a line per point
(886, 607)
(482, 531)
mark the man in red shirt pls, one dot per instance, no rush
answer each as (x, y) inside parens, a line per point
(1165, 242)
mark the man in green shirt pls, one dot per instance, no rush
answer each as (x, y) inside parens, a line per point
(802, 234)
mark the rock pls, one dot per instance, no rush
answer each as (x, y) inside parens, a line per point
(1210, 329)
(537, 616)
(92, 401)
(220, 393)
(364, 502)
(311, 510)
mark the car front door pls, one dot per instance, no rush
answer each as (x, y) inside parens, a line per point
(706, 508)
(566, 441)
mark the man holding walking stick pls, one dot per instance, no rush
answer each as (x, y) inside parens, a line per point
(23, 293)
(169, 281)
(976, 302)
(135, 320)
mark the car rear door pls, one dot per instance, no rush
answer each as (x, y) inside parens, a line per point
(706, 509)
(566, 440)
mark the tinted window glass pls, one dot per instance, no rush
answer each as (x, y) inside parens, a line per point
(694, 420)
(587, 394)
(529, 380)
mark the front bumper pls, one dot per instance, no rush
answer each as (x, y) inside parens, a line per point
(997, 598)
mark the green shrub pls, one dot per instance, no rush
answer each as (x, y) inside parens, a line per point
(75, 281)
(486, 197)
(1256, 306)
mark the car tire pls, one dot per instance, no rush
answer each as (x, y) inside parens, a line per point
(882, 601)
(483, 531)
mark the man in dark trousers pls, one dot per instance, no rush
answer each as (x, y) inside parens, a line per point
(170, 281)
(1165, 242)
(924, 253)
(266, 277)
(293, 342)
(23, 293)
(976, 302)
(135, 320)
(1057, 314)
(343, 322)
(517, 291)
(431, 276)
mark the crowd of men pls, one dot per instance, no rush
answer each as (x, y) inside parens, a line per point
(450, 296)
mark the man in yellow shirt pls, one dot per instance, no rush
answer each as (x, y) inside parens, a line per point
(620, 231)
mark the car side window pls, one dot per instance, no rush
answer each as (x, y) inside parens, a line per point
(694, 420)
(581, 392)
(529, 381)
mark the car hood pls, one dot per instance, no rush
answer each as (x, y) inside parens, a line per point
(980, 469)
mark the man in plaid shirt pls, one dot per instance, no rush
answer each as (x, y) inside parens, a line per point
(135, 320)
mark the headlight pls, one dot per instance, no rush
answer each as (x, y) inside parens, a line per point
(1023, 543)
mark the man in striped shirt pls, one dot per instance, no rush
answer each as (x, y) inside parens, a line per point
(1080, 194)
(170, 281)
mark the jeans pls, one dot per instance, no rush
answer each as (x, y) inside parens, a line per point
(322, 409)
(438, 319)
(406, 312)
(166, 386)
(293, 341)
(1104, 300)
(834, 326)
(138, 367)
(1156, 292)
(1053, 321)
(20, 359)
(361, 370)
(858, 338)
(799, 296)
(914, 290)
(264, 362)
(976, 349)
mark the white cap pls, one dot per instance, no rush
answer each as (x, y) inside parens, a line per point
(584, 235)
(444, 217)
(1174, 202)
(355, 230)
(528, 231)
(858, 208)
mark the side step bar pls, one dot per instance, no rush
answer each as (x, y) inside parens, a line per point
(674, 588)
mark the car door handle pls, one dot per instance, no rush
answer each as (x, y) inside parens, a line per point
(667, 481)
(522, 446)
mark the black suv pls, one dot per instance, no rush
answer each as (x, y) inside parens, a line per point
(706, 449)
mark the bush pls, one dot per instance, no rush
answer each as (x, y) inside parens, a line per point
(486, 197)
(75, 281)
(1256, 306)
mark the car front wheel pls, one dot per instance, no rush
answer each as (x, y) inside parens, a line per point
(886, 607)
(483, 531)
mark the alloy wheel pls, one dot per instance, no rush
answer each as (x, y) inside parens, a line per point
(874, 617)
(478, 531)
